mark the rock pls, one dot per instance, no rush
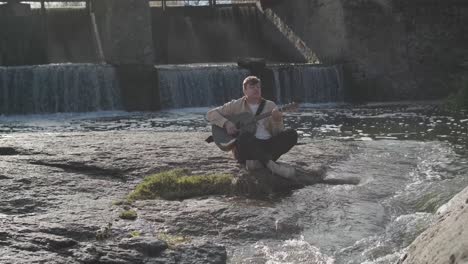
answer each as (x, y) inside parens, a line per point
(145, 245)
(4, 151)
(262, 183)
(76, 177)
(201, 253)
(446, 241)
(107, 253)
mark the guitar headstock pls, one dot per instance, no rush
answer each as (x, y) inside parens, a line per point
(289, 107)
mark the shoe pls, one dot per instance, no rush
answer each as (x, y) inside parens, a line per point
(253, 165)
(282, 170)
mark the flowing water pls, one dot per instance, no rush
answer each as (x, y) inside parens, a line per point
(74, 87)
(410, 159)
(195, 85)
(58, 88)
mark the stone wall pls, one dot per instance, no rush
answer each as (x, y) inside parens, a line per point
(393, 49)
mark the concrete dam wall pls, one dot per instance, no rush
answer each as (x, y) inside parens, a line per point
(63, 35)
(394, 49)
(221, 34)
(177, 35)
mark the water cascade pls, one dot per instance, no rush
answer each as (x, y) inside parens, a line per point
(58, 88)
(199, 85)
(208, 85)
(308, 83)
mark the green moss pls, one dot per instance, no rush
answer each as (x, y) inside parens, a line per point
(120, 202)
(179, 184)
(128, 214)
(135, 234)
(173, 240)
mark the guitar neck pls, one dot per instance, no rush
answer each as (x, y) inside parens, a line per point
(267, 114)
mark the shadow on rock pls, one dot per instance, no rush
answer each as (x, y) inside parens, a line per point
(262, 183)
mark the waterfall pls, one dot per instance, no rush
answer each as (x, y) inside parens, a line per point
(308, 83)
(199, 85)
(207, 85)
(58, 88)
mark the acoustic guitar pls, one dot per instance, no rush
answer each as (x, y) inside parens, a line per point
(245, 122)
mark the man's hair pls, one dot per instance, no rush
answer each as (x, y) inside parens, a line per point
(252, 80)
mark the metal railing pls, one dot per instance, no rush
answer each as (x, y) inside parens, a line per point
(153, 3)
(169, 3)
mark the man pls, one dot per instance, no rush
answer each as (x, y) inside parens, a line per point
(270, 140)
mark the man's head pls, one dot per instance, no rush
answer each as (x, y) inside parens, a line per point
(252, 88)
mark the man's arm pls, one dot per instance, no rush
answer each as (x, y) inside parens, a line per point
(216, 116)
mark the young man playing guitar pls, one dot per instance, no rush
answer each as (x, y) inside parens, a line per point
(268, 142)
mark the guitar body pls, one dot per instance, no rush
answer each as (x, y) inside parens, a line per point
(244, 121)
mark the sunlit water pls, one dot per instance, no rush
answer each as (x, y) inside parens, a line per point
(410, 159)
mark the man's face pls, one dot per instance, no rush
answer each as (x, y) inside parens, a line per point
(253, 91)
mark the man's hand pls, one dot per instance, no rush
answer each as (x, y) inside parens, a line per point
(276, 115)
(231, 128)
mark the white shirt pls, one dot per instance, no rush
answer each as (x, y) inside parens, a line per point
(262, 132)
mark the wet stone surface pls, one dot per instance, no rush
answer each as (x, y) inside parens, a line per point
(54, 202)
(62, 176)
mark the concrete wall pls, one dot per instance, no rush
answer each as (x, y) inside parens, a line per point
(62, 35)
(20, 39)
(125, 30)
(205, 34)
(69, 36)
(394, 49)
(139, 87)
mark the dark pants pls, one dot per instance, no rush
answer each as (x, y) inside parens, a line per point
(248, 147)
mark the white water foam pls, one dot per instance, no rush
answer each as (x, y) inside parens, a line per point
(292, 251)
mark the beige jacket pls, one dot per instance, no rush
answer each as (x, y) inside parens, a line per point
(217, 115)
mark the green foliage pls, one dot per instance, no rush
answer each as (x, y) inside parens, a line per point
(173, 240)
(179, 184)
(459, 100)
(120, 202)
(128, 214)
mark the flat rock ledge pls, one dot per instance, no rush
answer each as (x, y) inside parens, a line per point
(59, 194)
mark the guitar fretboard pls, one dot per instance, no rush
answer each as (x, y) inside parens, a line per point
(281, 109)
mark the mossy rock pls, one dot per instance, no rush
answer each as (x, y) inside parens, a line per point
(173, 240)
(180, 184)
(129, 215)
